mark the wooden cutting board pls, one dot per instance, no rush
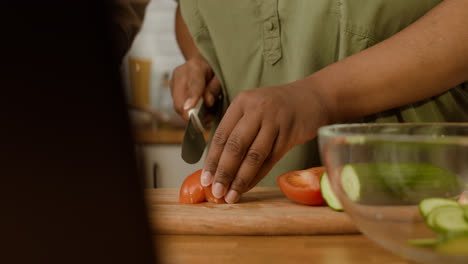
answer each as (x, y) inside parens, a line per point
(261, 211)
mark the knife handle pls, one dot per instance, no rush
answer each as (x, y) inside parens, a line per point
(194, 116)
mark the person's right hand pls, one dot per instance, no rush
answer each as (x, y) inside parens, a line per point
(192, 80)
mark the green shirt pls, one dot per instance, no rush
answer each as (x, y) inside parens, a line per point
(255, 43)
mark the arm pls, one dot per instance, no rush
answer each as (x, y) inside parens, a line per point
(261, 125)
(425, 59)
(185, 41)
(194, 78)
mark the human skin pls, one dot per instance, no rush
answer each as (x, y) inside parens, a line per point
(260, 126)
(194, 78)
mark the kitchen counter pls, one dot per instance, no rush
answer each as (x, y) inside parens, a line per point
(340, 249)
(162, 136)
(178, 247)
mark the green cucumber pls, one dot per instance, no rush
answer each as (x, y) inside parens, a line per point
(441, 210)
(328, 194)
(456, 246)
(423, 242)
(362, 186)
(397, 183)
(451, 235)
(427, 205)
(449, 219)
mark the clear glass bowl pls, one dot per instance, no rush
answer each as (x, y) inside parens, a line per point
(381, 172)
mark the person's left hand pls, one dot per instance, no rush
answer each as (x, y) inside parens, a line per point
(258, 128)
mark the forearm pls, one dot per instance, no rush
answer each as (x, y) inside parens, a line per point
(184, 39)
(424, 60)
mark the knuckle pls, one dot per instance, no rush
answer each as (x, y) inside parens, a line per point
(255, 157)
(199, 63)
(243, 96)
(210, 165)
(265, 101)
(219, 138)
(178, 70)
(192, 63)
(223, 176)
(234, 145)
(240, 184)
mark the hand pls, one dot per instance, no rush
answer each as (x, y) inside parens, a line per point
(259, 127)
(190, 81)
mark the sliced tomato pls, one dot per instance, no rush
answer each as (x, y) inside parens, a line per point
(210, 197)
(303, 186)
(192, 191)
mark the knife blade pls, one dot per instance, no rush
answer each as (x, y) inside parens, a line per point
(194, 143)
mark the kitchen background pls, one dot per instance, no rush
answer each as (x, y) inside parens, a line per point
(147, 69)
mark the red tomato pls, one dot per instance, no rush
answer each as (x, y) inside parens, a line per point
(210, 197)
(192, 191)
(302, 186)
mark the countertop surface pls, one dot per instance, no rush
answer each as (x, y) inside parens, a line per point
(162, 136)
(339, 249)
(246, 249)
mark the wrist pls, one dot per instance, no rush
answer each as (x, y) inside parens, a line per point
(314, 91)
(312, 108)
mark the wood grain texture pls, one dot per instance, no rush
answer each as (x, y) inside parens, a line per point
(333, 249)
(262, 211)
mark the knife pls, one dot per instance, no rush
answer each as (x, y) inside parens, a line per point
(194, 143)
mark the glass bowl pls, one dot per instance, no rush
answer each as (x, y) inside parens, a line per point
(380, 173)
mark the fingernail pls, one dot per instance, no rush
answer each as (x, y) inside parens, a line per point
(232, 197)
(206, 178)
(218, 190)
(188, 103)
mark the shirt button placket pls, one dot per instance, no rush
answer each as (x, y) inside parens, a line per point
(271, 32)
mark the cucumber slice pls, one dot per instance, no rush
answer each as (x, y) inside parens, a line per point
(450, 219)
(430, 219)
(397, 183)
(427, 205)
(456, 246)
(423, 242)
(328, 193)
(451, 235)
(361, 185)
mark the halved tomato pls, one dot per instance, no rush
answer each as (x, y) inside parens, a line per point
(193, 192)
(303, 186)
(210, 197)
